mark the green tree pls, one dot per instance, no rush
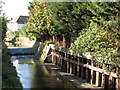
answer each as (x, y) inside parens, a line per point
(102, 36)
(23, 32)
(65, 20)
(3, 27)
(69, 18)
(39, 20)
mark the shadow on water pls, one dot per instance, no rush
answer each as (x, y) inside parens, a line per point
(36, 75)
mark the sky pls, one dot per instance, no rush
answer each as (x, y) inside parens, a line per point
(14, 8)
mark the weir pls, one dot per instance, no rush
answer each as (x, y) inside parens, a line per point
(20, 51)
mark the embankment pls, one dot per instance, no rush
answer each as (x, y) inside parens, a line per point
(9, 75)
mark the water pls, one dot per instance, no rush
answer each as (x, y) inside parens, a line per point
(36, 75)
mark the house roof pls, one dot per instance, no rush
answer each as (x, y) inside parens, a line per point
(20, 19)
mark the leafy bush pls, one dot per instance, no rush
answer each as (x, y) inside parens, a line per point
(19, 33)
(102, 42)
(11, 34)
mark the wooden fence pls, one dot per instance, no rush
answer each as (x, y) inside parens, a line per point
(87, 69)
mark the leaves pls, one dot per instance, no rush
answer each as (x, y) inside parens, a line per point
(92, 25)
(102, 42)
(39, 21)
(3, 26)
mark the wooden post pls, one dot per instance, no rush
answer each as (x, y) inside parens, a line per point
(82, 70)
(57, 57)
(118, 78)
(68, 63)
(87, 73)
(78, 67)
(74, 68)
(65, 62)
(103, 77)
(63, 65)
(73, 71)
(70, 67)
(110, 82)
(97, 77)
(60, 58)
(52, 55)
(91, 80)
(65, 56)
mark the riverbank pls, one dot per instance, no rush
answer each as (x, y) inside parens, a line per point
(9, 75)
(75, 81)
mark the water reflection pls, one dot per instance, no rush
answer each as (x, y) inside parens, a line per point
(35, 75)
(25, 73)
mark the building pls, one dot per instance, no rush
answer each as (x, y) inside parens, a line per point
(16, 23)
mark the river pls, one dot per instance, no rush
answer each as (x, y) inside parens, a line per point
(36, 75)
